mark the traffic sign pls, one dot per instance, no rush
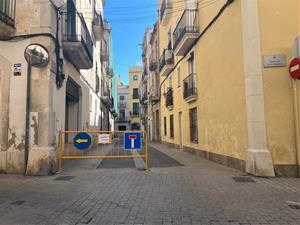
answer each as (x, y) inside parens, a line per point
(82, 141)
(132, 141)
(295, 68)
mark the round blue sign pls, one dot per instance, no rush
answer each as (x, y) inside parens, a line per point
(82, 141)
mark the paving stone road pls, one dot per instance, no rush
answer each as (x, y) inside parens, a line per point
(200, 192)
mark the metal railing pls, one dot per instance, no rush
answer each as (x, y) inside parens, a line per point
(8, 12)
(188, 23)
(122, 119)
(98, 21)
(104, 51)
(167, 58)
(153, 61)
(122, 105)
(189, 86)
(75, 30)
(169, 97)
(164, 6)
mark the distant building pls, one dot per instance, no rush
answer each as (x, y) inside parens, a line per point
(135, 77)
(122, 121)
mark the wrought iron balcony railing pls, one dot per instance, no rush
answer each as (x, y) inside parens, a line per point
(167, 58)
(189, 86)
(169, 97)
(188, 23)
(75, 30)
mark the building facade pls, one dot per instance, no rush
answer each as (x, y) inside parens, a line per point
(222, 96)
(145, 115)
(122, 122)
(154, 86)
(135, 77)
(65, 94)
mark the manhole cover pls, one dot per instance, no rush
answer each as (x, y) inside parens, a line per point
(243, 179)
(20, 202)
(64, 178)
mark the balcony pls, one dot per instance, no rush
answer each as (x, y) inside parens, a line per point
(7, 17)
(104, 52)
(123, 119)
(189, 88)
(165, 11)
(109, 72)
(169, 98)
(76, 40)
(153, 98)
(135, 114)
(166, 62)
(107, 98)
(122, 105)
(97, 25)
(186, 32)
(153, 62)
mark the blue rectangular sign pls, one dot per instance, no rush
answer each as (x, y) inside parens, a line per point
(132, 141)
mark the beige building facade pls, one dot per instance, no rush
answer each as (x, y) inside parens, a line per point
(135, 77)
(63, 95)
(222, 96)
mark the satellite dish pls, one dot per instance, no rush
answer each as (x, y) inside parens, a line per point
(36, 55)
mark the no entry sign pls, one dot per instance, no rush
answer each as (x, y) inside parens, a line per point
(295, 68)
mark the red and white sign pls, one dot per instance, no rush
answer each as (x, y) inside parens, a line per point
(132, 138)
(295, 68)
(104, 138)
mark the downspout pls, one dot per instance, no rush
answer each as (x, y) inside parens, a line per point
(27, 120)
(296, 124)
(296, 112)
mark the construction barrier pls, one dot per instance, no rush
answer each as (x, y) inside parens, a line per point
(102, 145)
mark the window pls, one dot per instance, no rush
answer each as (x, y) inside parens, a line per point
(170, 81)
(135, 108)
(193, 125)
(165, 125)
(122, 98)
(191, 68)
(135, 93)
(171, 126)
(170, 39)
(97, 84)
(135, 77)
(122, 114)
(178, 77)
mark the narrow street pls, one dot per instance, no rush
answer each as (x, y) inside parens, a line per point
(180, 188)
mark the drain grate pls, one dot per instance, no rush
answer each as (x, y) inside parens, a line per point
(64, 178)
(243, 179)
(20, 202)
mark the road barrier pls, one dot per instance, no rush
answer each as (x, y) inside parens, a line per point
(102, 145)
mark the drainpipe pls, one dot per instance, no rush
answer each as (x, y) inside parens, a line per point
(27, 122)
(296, 53)
(296, 123)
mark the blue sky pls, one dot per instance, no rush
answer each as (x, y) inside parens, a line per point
(128, 20)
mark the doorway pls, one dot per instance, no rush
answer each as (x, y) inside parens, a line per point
(72, 106)
(180, 130)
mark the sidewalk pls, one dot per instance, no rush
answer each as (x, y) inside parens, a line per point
(200, 192)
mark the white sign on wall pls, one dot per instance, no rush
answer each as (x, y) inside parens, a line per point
(278, 60)
(104, 138)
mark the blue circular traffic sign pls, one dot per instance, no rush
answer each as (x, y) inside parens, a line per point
(82, 141)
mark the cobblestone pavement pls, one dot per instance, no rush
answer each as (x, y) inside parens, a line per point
(201, 192)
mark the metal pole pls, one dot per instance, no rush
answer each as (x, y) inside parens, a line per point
(27, 122)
